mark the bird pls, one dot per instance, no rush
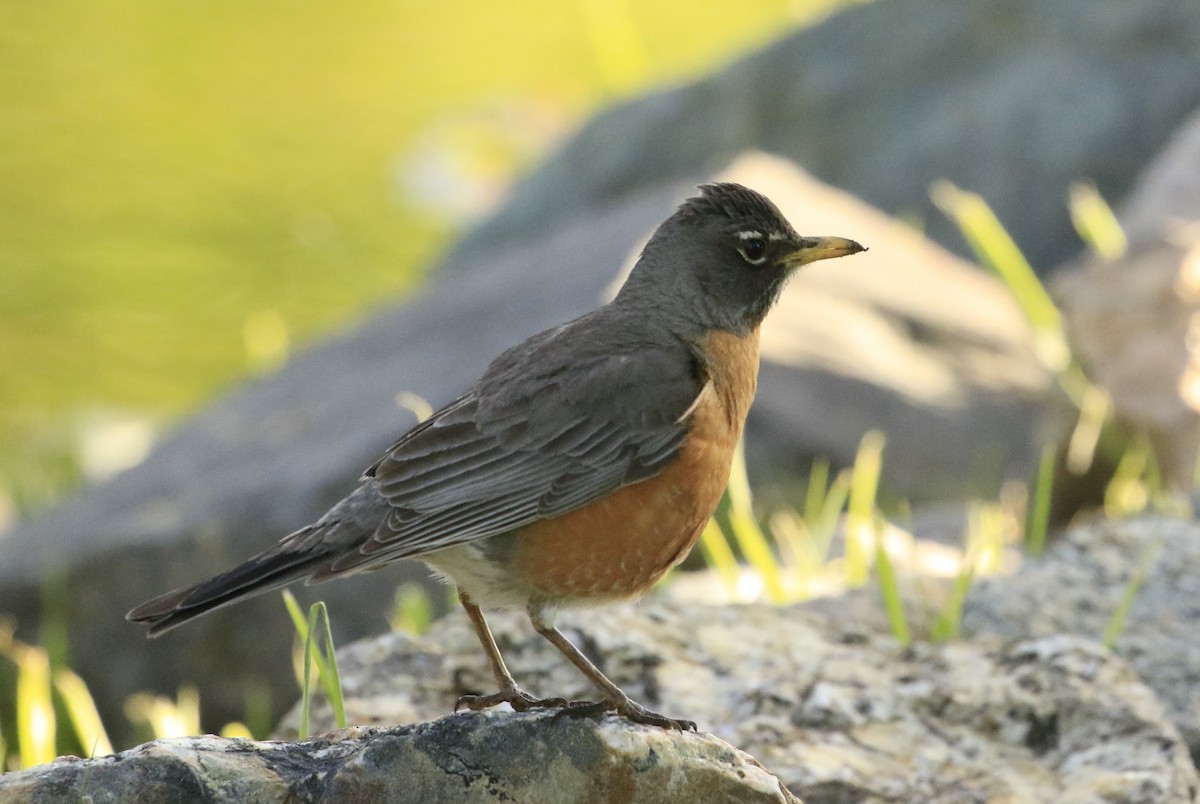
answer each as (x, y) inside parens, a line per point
(581, 466)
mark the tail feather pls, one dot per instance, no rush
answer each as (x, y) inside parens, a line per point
(264, 572)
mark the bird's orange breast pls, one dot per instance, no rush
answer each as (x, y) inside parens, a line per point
(620, 545)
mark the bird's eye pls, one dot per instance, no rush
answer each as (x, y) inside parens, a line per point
(754, 249)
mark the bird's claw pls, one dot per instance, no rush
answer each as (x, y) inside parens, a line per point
(626, 709)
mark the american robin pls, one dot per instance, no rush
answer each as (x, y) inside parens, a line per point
(584, 463)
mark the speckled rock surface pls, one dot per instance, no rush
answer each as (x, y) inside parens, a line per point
(839, 713)
(461, 758)
(1080, 582)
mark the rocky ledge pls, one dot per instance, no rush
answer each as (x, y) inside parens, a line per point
(465, 757)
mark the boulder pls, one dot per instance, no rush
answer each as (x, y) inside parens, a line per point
(838, 712)
(457, 759)
(1135, 321)
(1012, 99)
(1078, 587)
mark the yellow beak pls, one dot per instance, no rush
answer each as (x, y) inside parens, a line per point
(811, 249)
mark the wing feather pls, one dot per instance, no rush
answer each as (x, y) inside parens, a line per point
(503, 455)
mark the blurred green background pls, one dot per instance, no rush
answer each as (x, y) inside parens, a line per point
(189, 190)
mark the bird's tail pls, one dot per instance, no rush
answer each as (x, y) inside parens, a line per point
(270, 569)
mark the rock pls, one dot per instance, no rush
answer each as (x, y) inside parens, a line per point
(1077, 587)
(839, 356)
(839, 713)
(1166, 196)
(1135, 322)
(1012, 99)
(459, 758)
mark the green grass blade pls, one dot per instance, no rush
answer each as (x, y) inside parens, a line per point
(81, 708)
(300, 622)
(1039, 510)
(890, 590)
(995, 249)
(1096, 223)
(749, 536)
(860, 516)
(797, 554)
(949, 620)
(826, 522)
(332, 680)
(37, 726)
(306, 687)
(817, 491)
(1095, 407)
(164, 717)
(1116, 623)
(324, 659)
(1128, 493)
(718, 555)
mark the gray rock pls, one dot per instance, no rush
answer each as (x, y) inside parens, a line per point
(1013, 99)
(461, 758)
(1078, 586)
(1076, 589)
(1133, 320)
(1166, 197)
(837, 712)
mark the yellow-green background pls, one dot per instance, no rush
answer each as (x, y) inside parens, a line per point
(170, 171)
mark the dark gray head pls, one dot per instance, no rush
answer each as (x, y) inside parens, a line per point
(721, 260)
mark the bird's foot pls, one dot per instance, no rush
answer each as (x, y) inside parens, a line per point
(515, 697)
(627, 709)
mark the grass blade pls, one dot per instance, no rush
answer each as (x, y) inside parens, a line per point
(860, 516)
(992, 244)
(750, 538)
(890, 590)
(718, 555)
(36, 722)
(817, 491)
(324, 660)
(1096, 223)
(300, 622)
(825, 525)
(81, 708)
(166, 718)
(1128, 493)
(949, 620)
(1116, 623)
(332, 680)
(1095, 407)
(1039, 511)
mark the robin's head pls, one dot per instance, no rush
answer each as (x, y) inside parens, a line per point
(721, 260)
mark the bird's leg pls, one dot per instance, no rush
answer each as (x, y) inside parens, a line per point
(509, 692)
(614, 698)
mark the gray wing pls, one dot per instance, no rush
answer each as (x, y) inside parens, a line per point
(550, 428)
(561, 420)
